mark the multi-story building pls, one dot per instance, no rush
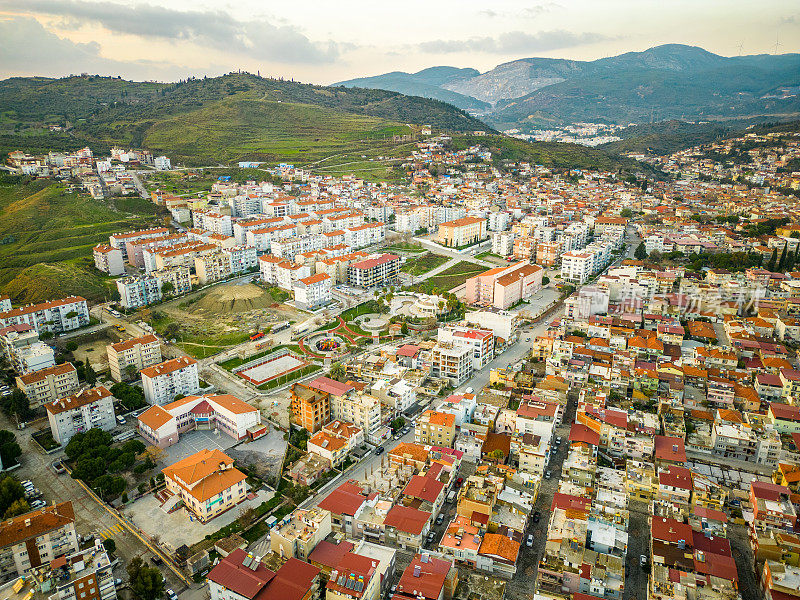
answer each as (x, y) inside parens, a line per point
(24, 351)
(300, 533)
(364, 235)
(503, 243)
(462, 232)
(120, 240)
(127, 358)
(108, 259)
(36, 538)
(503, 287)
(375, 271)
(84, 575)
(435, 428)
(207, 482)
(452, 361)
(335, 440)
(142, 290)
(56, 316)
(163, 425)
(364, 411)
(84, 410)
(212, 221)
(49, 384)
(479, 341)
(164, 381)
(311, 407)
(576, 266)
(312, 292)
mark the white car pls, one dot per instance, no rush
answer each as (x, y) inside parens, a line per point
(38, 504)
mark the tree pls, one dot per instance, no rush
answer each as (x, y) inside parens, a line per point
(11, 490)
(404, 328)
(398, 424)
(497, 455)
(782, 261)
(19, 507)
(110, 545)
(166, 288)
(626, 213)
(131, 372)
(71, 346)
(545, 280)
(337, 371)
(641, 252)
(17, 404)
(146, 583)
(9, 448)
(772, 259)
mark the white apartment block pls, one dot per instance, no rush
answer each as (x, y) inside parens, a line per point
(503, 243)
(56, 316)
(452, 361)
(108, 259)
(407, 222)
(49, 384)
(288, 272)
(362, 410)
(164, 381)
(261, 239)
(576, 266)
(479, 341)
(34, 357)
(212, 221)
(133, 355)
(240, 228)
(499, 221)
(84, 410)
(162, 163)
(312, 292)
(119, 240)
(143, 290)
(365, 235)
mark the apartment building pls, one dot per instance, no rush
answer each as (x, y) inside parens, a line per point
(143, 290)
(108, 259)
(364, 411)
(503, 243)
(120, 240)
(462, 232)
(36, 538)
(207, 482)
(313, 292)
(127, 358)
(56, 316)
(335, 440)
(84, 410)
(365, 235)
(479, 341)
(212, 221)
(452, 361)
(47, 385)
(576, 266)
(376, 271)
(83, 575)
(435, 428)
(299, 534)
(23, 350)
(310, 407)
(164, 381)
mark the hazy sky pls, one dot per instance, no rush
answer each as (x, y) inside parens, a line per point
(323, 41)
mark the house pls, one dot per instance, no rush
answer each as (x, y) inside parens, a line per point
(239, 576)
(772, 506)
(84, 410)
(669, 450)
(345, 504)
(298, 534)
(207, 483)
(335, 441)
(407, 526)
(498, 555)
(50, 530)
(427, 578)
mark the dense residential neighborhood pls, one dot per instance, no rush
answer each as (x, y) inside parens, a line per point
(494, 380)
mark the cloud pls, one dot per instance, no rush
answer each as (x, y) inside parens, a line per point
(540, 9)
(258, 39)
(28, 48)
(514, 42)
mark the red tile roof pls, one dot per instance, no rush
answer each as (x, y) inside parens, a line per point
(407, 519)
(345, 499)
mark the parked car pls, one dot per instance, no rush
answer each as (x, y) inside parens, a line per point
(171, 595)
(547, 474)
(118, 582)
(379, 450)
(529, 541)
(431, 537)
(116, 313)
(38, 504)
(156, 560)
(121, 420)
(459, 481)
(439, 519)
(643, 560)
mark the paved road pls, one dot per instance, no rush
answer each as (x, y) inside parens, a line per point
(90, 516)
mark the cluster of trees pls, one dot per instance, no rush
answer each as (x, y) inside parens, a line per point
(94, 460)
(130, 395)
(146, 583)
(9, 448)
(398, 424)
(787, 259)
(732, 261)
(12, 497)
(16, 405)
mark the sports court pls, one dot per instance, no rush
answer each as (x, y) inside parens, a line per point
(270, 369)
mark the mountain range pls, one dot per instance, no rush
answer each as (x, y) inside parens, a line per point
(671, 81)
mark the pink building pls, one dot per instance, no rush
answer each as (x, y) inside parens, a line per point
(503, 287)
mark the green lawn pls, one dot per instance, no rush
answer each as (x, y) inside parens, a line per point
(450, 278)
(423, 264)
(404, 247)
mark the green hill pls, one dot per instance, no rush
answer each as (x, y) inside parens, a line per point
(43, 225)
(233, 117)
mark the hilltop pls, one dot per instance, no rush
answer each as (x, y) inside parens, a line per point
(239, 116)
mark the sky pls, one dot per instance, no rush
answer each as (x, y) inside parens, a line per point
(324, 41)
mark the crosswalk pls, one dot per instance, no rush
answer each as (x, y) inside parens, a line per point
(110, 532)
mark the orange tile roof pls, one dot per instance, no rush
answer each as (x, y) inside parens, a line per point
(204, 474)
(82, 398)
(128, 344)
(42, 374)
(17, 529)
(502, 546)
(155, 417)
(168, 366)
(440, 418)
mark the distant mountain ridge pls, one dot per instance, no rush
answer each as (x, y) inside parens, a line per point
(671, 81)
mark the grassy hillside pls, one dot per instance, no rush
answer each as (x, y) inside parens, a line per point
(237, 116)
(666, 137)
(549, 154)
(42, 224)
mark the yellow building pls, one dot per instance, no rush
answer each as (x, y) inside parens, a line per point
(435, 429)
(462, 232)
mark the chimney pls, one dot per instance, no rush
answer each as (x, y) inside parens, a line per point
(417, 570)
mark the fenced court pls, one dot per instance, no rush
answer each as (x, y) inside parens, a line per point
(270, 367)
